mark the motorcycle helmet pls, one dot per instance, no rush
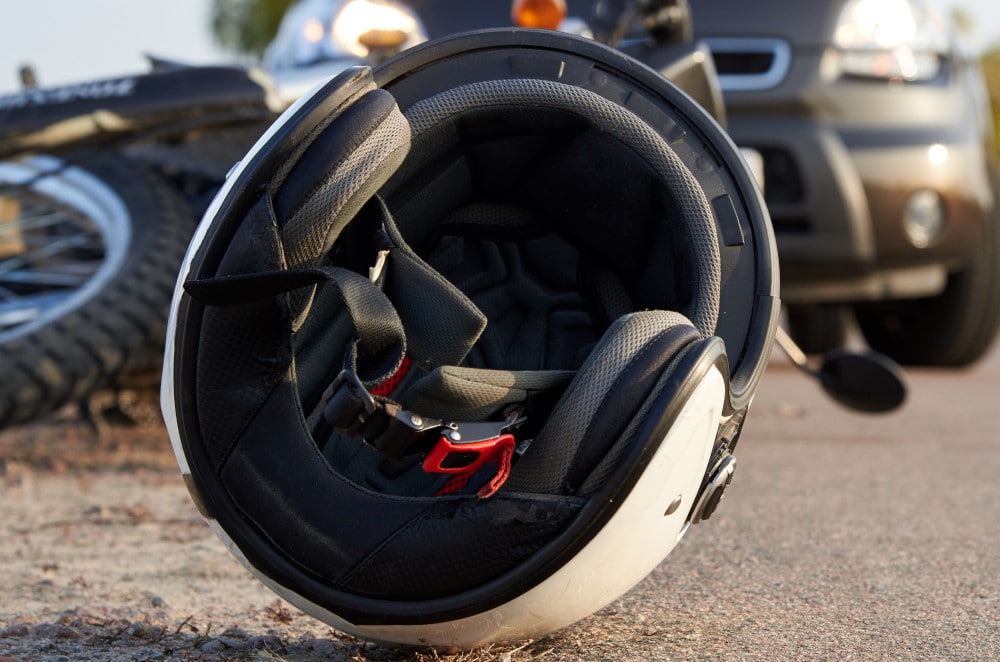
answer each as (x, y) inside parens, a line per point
(463, 345)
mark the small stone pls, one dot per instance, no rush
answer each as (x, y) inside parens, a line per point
(139, 630)
(322, 646)
(269, 641)
(55, 631)
(18, 630)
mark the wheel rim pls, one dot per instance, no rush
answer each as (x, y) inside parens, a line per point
(63, 234)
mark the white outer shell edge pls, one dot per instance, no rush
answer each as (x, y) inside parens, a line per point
(167, 405)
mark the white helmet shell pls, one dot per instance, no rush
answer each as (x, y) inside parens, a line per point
(462, 347)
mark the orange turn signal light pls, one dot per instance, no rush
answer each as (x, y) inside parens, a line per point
(546, 14)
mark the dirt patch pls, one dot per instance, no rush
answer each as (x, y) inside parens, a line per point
(106, 558)
(843, 536)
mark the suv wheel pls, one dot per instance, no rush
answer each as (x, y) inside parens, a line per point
(954, 328)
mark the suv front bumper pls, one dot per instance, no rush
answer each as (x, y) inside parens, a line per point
(842, 157)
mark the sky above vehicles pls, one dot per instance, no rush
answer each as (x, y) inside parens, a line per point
(74, 42)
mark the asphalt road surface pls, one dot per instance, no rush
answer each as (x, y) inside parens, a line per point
(843, 537)
(846, 536)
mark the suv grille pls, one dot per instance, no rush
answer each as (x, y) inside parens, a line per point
(784, 191)
(782, 183)
(750, 63)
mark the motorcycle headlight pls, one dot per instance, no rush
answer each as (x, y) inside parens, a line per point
(362, 25)
(891, 39)
(317, 31)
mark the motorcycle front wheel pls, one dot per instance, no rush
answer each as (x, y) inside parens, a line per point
(89, 252)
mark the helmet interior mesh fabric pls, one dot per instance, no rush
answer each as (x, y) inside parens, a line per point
(624, 125)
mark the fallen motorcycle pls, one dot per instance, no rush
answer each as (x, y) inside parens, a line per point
(101, 185)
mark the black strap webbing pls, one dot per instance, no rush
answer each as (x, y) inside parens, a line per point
(380, 339)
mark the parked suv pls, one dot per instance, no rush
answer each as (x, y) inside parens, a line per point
(874, 127)
(876, 136)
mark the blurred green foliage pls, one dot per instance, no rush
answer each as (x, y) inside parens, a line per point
(991, 71)
(246, 26)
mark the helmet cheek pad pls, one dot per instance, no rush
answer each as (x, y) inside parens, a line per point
(454, 338)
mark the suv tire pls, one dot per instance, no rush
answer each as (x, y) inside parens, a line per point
(952, 329)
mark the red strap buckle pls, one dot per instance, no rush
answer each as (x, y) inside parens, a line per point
(465, 459)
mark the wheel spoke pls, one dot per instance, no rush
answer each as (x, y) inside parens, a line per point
(47, 278)
(47, 251)
(50, 251)
(58, 244)
(26, 222)
(25, 309)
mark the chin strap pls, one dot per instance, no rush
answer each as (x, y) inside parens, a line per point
(380, 341)
(374, 362)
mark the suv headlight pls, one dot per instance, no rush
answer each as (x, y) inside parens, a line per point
(902, 39)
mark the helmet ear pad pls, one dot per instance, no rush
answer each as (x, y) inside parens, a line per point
(282, 211)
(312, 201)
(595, 418)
